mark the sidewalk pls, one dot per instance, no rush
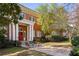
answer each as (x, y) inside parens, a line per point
(54, 51)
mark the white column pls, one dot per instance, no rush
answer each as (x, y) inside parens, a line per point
(32, 35)
(30, 32)
(17, 31)
(27, 33)
(13, 31)
(9, 31)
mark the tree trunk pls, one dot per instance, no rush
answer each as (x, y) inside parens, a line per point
(70, 37)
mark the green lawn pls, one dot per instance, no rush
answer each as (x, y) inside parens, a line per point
(10, 50)
(26, 53)
(32, 53)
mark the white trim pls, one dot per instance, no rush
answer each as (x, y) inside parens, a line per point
(30, 32)
(26, 21)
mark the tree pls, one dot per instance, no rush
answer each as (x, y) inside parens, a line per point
(61, 20)
(9, 13)
(76, 18)
(45, 18)
(52, 17)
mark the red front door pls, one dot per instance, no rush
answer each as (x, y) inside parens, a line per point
(20, 36)
(22, 32)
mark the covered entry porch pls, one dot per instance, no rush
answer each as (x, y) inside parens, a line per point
(22, 32)
(25, 34)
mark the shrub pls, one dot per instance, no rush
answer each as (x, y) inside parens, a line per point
(1, 37)
(75, 51)
(75, 44)
(14, 43)
(44, 39)
(1, 40)
(6, 43)
(75, 41)
(36, 39)
(58, 38)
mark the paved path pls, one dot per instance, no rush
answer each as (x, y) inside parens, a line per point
(54, 51)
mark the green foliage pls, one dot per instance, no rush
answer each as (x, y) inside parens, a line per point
(44, 40)
(75, 44)
(15, 21)
(75, 51)
(46, 17)
(52, 17)
(58, 38)
(6, 43)
(75, 41)
(1, 37)
(55, 38)
(8, 12)
(4, 21)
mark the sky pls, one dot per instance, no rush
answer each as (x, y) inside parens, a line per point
(33, 6)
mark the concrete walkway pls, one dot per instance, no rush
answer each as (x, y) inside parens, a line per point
(54, 51)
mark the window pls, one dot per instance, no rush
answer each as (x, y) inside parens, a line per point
(25, 16)
(31, 18)
(21, 16)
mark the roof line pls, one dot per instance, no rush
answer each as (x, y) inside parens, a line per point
(29, 8)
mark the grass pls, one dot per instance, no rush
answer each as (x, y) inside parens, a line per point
(26, 53)
(10, 50)
(32, 53)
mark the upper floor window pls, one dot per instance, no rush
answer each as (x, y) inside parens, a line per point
(31, 18)
(21, 16)
(26, 16)
(34, 19)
